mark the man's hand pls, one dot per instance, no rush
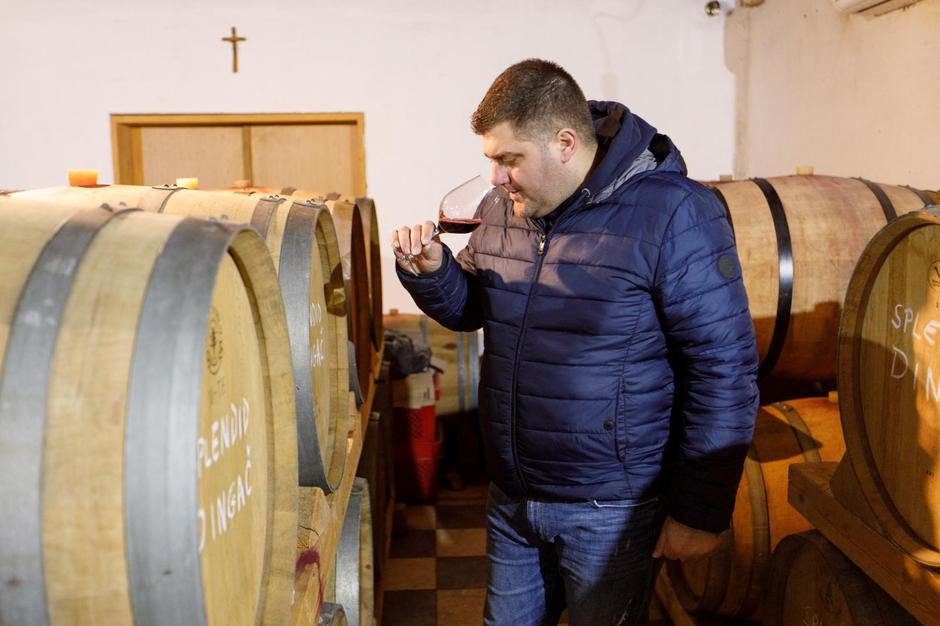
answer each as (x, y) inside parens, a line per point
(678, 541)
(415, 250)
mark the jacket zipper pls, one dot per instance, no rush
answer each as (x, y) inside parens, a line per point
(542, 247)
(543, 244)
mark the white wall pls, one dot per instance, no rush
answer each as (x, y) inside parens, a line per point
(416, 68)
(850, 95)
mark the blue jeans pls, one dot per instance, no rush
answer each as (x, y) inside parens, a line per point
(593, 557)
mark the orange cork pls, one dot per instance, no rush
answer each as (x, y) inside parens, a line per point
(83, 178)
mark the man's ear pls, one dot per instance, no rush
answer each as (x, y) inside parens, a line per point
(568, 143)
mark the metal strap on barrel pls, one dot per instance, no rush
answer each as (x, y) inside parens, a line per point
(297, 250)
(808, 446)
(724, 203)
(264, 212)
(761, 551)
(347, 554)
(785, 288)
(886, 206)
(24, 389)
(920, 193)
(161, 525)
(354, 385)
(154, 201)
(313, 203)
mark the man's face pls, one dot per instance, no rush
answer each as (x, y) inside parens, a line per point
(530, 170)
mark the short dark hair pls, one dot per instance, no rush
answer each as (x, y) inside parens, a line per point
(537, 98)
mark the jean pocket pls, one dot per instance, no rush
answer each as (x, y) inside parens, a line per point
(629, 503)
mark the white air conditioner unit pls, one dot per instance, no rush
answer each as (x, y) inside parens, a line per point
(870, 7)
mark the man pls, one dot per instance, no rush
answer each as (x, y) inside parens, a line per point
(618, 387)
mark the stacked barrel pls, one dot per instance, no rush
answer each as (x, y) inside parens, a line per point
(814, 583)
(358, 233)
(799, 239)
(880, 506)
(175, 387)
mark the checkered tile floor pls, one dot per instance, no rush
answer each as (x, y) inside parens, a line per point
(436, 572)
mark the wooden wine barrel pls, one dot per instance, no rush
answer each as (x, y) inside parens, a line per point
(372, 236)
(889, 379)
(305, 250)
(352, 247)
(355, 584)
(813, 583)
(798, 239)
(733, 582)
(373, 254)
(147, 428)
(460, 353)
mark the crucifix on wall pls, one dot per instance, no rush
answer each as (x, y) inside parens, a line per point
(234, 40)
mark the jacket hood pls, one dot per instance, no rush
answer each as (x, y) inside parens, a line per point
(623, 137)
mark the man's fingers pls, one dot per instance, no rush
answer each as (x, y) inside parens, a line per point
(416, 246)
(427, 230)
(404, 240)
(395, 239)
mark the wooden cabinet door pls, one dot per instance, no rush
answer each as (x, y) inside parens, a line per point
(314, 151)
(320, 157)
(213, 154)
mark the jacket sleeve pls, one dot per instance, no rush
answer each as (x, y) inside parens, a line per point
(703, 307)
(449, 295)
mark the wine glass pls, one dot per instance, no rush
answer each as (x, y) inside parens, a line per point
(459, 205)
(456, 212)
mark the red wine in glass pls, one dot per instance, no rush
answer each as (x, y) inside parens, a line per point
(457, 226)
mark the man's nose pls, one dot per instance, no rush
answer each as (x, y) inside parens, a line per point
(500, 175)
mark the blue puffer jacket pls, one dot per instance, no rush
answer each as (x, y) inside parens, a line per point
(620, 359)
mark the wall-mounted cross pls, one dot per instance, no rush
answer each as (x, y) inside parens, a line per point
(234, 40)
